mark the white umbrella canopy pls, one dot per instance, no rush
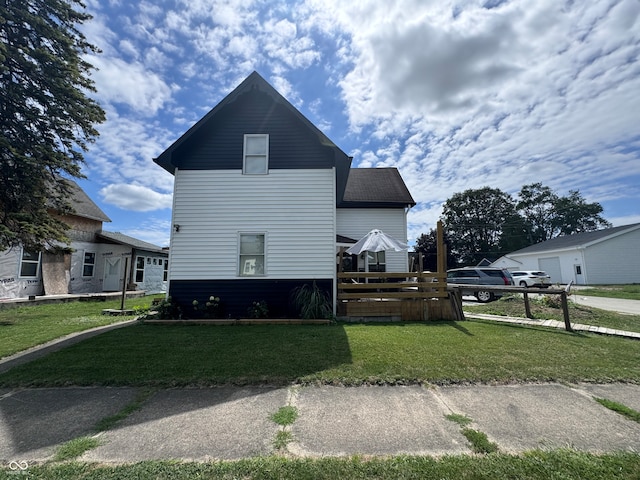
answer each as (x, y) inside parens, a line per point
(376, 241)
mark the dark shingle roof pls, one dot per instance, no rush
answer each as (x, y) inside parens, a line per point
(576, 240)
(123, 239)
(376, 187)
(83, 205)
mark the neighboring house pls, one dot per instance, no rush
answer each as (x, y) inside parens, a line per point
(263, 200)
(608, 256)
(94, 261)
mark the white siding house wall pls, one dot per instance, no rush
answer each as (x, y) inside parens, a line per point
(293, 208)
(614, 261)
(357, 222)
(566, 259)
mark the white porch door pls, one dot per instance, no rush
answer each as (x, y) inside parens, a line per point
(111, 282)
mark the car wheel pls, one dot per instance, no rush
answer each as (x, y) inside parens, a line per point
(523, 283)
(484, 296)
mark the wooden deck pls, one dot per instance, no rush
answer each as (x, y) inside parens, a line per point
(406, 296)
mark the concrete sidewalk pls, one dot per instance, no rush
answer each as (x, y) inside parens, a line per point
(234, 422)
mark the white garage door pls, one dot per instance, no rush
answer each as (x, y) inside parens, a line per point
(551, 265)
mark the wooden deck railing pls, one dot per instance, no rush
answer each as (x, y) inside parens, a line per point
(391, 285)
(407, 296)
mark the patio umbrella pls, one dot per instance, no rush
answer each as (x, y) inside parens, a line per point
(376, 241)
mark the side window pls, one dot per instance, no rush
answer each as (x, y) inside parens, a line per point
(88, 264)
(165, 275)
(493, 273)
(29, 264)
(377, 262)
(251, 254)
(255, 154)
(139, 269)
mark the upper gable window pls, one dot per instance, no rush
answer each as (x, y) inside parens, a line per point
(256, 154)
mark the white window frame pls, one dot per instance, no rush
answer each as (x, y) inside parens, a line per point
(85, 264)
(138, 269)
(23, 261)
(246, 155)
(245, 267)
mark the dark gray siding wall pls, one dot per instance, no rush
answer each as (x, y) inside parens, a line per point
(218, 144)
(236, 296)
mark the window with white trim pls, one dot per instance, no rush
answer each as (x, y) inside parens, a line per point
(165, 275)
(29, 264)
(88, 264)
(251, 254)
(255, 154)
(139, 269)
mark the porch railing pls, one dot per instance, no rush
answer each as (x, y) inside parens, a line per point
(391, 285)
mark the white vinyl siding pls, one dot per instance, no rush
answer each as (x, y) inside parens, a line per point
(615, 260)
(355, 223)
(293, 208)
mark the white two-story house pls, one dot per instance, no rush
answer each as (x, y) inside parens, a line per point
(263, 200)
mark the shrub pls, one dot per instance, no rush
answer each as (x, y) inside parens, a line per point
(312, 301)
(211, 309)
(258, 310)
(169, 310)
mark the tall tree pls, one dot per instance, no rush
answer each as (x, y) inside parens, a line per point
(575, 215)
(537, 206)
(549, 215)
(427, 244)
(46, 117)
(475, 221)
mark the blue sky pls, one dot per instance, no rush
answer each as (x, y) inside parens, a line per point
(456, 94)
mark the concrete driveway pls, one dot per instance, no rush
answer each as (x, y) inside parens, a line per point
(629, 307)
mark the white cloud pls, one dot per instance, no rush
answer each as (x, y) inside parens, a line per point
(455, 94)
(121, 82)
(155, 230)
(135, 197)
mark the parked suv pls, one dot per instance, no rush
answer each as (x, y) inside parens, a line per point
(531, 278)
(480, 276)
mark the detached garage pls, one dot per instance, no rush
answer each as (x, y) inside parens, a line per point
(609, 256)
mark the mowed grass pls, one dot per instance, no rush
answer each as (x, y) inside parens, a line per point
(26, 326)
(629, 292)
(535, 465)
(549, 309)
(438, 353)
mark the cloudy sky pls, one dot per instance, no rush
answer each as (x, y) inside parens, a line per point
(456, 94)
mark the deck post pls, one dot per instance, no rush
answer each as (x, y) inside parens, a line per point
(565, 311)
(527, 306)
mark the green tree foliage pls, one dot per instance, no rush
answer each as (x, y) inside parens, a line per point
(536, 205)
(427, 244)
(475, 221)
(575, 215)
(548, 215)
(46, 117)
(489, 223)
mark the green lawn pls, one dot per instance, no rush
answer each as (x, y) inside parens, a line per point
(350, 354)
(26, 326)
(629, 292)
(342, 354)
(548, 308)
(535, 465)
